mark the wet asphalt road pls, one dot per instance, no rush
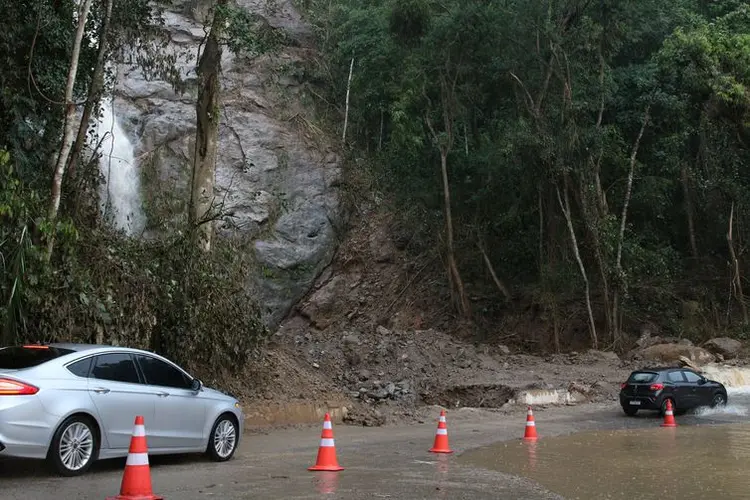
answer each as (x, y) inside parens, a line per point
(387, 462)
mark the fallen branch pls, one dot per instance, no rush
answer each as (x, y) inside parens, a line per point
(500, 285)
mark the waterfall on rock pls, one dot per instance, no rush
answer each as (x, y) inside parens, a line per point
(120, 194)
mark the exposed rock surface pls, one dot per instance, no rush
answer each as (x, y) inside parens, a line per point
(276, 180)
(726, 347)
(672, 353)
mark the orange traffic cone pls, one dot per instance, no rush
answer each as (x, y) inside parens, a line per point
(441, 436)
(136, 482)
(669, 416)
(327, 451)
(530, 433)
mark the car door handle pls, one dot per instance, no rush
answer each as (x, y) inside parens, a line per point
(162, 394)
(101, 390)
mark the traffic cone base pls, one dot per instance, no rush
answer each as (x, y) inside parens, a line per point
(441, 436)
(669, 420)
(326, 460)
(530, 432)
(136, 481)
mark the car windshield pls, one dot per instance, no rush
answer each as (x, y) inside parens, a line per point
(20, 357)
(641, 377)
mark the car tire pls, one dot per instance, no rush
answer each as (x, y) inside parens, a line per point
(629, 411)
(718, 400)
(223, 440)
(74, 447)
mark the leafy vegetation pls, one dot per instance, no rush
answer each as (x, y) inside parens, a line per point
(587, 156)
(98, 285)
(590, 155)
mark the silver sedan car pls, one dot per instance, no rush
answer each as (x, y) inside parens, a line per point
(72, 404)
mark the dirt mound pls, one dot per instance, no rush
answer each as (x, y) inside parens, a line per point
(472, 396)
(376, 332)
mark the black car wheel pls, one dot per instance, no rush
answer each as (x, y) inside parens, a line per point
(630, 411)
(664, 406)
(718, 400)
(222, 442)
(74, 447)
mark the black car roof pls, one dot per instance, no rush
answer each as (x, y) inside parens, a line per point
(660, 369)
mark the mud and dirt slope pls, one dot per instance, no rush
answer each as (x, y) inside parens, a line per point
(363, 339)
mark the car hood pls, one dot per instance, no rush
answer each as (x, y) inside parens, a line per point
(214, 394)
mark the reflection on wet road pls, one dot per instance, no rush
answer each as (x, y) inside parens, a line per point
(707, 456)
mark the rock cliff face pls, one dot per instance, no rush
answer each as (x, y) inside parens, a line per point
(276, 177)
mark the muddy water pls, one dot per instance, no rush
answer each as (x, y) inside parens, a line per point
(696, 462)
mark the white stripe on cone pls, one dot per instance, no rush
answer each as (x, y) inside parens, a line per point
(442, 432)
(139, 431)
(442, 419)
(327, 425)
(326, 443)
(530, 424)
(137, 459)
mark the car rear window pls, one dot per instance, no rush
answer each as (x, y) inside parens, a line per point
(20, 357)
(642, 377)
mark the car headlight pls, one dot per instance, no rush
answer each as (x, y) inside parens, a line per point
(237, 405)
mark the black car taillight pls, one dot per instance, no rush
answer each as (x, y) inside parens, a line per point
(656, 387)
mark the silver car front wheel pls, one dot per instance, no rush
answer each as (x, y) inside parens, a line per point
(74, 446)
(223, 441)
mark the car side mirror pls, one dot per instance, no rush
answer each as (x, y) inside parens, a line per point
(702, 381)
(197, 385)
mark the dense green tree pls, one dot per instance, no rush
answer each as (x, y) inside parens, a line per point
(594, 149)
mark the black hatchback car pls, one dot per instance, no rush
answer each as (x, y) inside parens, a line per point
(651, 388)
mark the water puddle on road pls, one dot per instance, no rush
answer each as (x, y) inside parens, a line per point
(696, 462)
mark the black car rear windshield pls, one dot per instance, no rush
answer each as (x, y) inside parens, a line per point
(642, 377)
(20, 357)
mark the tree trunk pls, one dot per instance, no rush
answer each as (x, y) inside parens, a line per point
(380, 137)
(97, 82)
(206, 136)
(736, 276)
(689, 210)
(594, 213)
(541, 231)
(621, 285)
(498, 282)
(565, 206)
(453, 267)
(348, 90)
(447, 94)
(555, 324)
(70, 114)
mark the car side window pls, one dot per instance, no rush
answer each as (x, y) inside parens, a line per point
(675, 377)
(157, 372)
(117, 367)
(80, 368)
(691, 377)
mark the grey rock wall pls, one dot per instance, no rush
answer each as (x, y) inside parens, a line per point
(278, 182)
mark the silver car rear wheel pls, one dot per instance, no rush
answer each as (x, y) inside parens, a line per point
(223, 441)
(74, 446)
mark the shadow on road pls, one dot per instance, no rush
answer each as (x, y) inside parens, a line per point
(12, 468)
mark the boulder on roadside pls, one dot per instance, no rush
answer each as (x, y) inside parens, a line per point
(672, 353)
(322, 307)
(683, 361)
(728, 348)
(645, 342)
